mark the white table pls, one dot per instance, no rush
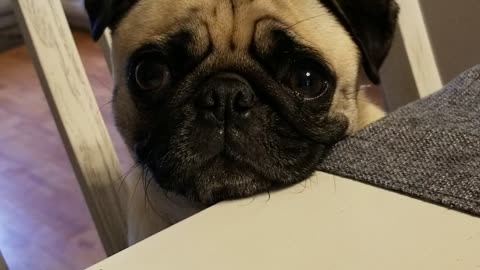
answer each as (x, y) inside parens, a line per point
(326, 223)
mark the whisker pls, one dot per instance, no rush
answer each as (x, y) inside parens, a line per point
(304, 20)
(269, 195)
(103, 106)
(128, 172)
(297, 23)
(134, 192)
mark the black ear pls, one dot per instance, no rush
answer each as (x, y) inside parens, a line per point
(106, 13)
(371, 23)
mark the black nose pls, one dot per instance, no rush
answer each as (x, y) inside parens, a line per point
(225, 96)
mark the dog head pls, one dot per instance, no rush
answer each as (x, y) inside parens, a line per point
(222, 99)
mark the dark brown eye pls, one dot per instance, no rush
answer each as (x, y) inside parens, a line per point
(151, 74)
(308, 82)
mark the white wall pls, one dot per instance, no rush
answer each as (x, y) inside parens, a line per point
(454, 31)
(454, 28)
(76, 13)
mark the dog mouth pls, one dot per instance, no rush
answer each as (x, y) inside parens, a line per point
(211, 164)
(230, 145)
(220, 177)
(232, 170)
(226, 169)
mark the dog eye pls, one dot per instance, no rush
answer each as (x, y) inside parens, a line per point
(150, 74)
(308, 82)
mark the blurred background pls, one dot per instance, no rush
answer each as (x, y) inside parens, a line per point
(10, 33)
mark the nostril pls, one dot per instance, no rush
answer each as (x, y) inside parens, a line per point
(211, 105)
(208, 100)
(224, 97)
(244, 100)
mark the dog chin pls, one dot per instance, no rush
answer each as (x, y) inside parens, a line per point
(220, 178)
(230, 175)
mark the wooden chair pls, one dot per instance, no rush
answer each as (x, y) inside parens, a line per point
(73, 105)
(411, 71)
(419, 48)
(80, 123)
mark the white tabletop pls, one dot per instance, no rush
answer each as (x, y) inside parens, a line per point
(326, 223)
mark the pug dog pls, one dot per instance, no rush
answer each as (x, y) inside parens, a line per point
(224, 99)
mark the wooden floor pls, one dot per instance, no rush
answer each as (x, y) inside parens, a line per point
(44, 222)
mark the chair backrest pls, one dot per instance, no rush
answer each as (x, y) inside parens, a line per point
(80, 123)
(71, 100)
(411, 70)
(419, 48)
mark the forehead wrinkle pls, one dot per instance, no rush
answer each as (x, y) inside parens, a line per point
(219, 21)
(231, 23)
(157, 18)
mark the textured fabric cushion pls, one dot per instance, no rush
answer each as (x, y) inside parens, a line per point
(429, 149)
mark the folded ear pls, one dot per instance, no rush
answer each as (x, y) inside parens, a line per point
(371, 23)
(106, 13)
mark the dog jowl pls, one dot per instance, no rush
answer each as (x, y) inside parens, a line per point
(221, 99)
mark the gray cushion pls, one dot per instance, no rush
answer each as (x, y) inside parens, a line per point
(429, 149)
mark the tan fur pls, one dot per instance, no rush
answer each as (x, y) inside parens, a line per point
(151, 212)
(231, 26)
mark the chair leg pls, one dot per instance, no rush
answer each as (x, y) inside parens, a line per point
(77, 115)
